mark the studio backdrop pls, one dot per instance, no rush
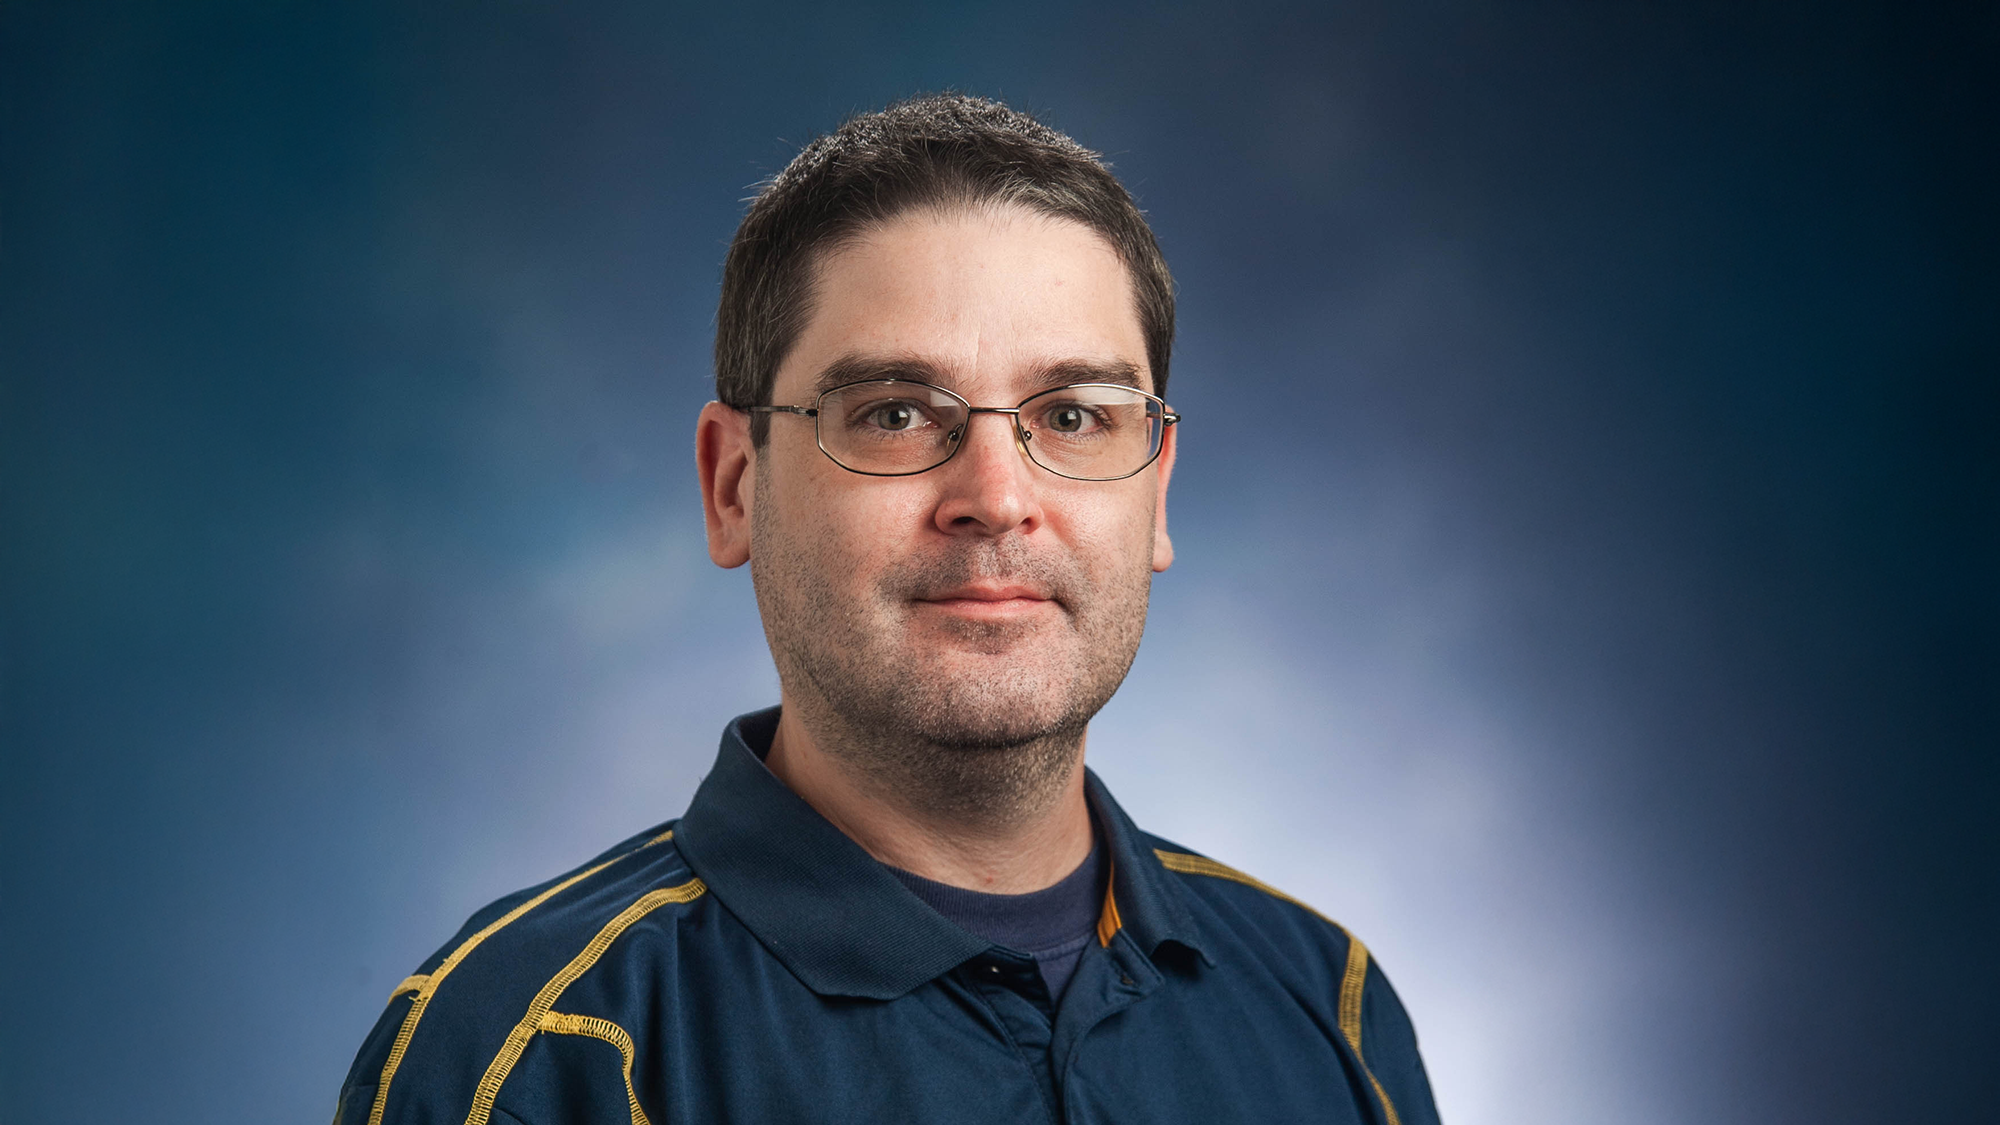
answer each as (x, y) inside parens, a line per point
(1586, 510)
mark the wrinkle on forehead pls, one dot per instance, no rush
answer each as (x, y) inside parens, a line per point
(978, 336)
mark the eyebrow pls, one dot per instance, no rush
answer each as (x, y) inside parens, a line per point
(1088, 371)
(858, 368)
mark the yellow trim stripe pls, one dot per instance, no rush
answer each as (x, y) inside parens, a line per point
(412, 983)
(517, 1040)
(1352, 983)
(427, 985)
(1353, 980)
(1381, 1095)
(562, 1023)
(1108, 921)
(1202, 865)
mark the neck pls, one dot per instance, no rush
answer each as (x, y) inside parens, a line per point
(906, 816)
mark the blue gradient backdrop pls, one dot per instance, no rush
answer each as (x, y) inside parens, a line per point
(1587, 510)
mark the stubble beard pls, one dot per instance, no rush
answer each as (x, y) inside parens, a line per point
(975, 723)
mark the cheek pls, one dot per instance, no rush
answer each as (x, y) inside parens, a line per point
(1114, 532)
(854, 534)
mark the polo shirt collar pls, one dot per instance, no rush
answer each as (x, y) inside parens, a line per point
(1145, 901)
(837, 918)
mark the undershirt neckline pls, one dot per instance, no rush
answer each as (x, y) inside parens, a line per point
(1053, 925)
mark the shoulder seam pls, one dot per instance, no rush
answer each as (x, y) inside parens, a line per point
(425, 985)
(1187, 863)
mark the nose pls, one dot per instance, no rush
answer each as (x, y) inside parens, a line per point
(988, 488)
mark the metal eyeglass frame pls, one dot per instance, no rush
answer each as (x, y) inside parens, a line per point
(1021, 435)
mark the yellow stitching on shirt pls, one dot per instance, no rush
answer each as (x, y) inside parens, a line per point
(415, 982)
(1351, 984)
(1108, 921)
(563, 1023)
(1202, 865)
(430, 982)
(517, 1040)
(1352, 981)
(1388, 1107)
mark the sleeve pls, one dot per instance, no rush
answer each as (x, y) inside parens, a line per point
(357, 1093)
(1389, 1044)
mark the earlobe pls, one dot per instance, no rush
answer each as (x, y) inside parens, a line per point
(725, 461)
(1163, 547)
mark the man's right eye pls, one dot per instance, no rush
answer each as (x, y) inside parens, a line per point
(893, 417)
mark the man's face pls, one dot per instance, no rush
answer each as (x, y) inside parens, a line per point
(986, 602)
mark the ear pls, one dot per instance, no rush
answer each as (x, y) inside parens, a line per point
(726, 462)
(1163, 547)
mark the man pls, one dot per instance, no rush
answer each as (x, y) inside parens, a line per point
(899, 896)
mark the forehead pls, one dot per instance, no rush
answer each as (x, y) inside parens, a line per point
(987, 297)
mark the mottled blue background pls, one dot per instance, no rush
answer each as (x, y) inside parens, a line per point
(1588, 588)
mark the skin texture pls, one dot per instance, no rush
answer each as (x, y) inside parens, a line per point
(943, 639)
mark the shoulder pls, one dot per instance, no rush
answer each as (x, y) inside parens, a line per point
(1318, 955)
(486, 991)
(1238, 899)
(1242, 918)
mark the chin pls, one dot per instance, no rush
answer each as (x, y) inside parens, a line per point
(995, 710)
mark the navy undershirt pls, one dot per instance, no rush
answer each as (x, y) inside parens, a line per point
(1053, 925)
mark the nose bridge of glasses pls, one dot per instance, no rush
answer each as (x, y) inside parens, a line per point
(957, 436)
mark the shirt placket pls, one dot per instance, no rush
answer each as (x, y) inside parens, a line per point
(1012, 987)
(1109, 980)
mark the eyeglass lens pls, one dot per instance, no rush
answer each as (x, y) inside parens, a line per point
(892, 427)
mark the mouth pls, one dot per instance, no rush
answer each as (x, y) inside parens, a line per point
(990, 600)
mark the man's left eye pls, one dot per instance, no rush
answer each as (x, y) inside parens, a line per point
(1069, 418)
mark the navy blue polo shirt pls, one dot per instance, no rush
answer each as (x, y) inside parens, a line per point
(751, 963)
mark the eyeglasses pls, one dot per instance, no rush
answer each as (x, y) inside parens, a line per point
(900, 427)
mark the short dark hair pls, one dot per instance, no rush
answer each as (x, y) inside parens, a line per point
(938, 150)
